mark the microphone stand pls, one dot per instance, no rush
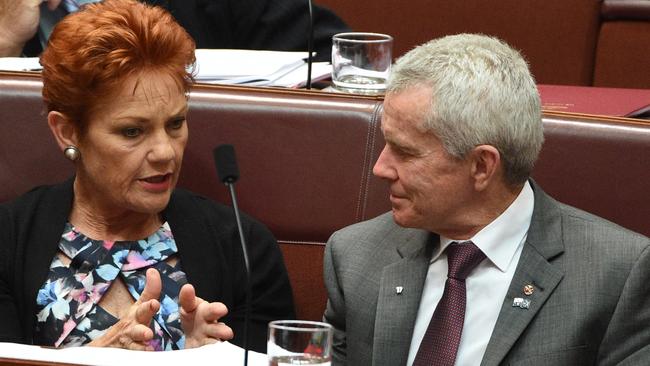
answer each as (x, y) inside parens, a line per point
(235, 207)
(224, 158)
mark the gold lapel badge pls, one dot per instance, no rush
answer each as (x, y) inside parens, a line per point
(528, 290)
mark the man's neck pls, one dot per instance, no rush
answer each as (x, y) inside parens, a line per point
(487, 206)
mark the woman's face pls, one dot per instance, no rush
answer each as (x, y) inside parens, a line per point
(132, 150)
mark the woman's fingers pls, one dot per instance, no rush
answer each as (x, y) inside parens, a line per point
(187, 298)
(211, 312)
(219, 331)
(145, 311)
(152, 286)
(136, 338)
(140, 333)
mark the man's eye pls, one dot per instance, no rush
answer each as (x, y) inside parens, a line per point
(131, 132)
(399, 151)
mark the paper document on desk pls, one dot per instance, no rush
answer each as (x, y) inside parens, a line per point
(223, 353)
(225, 66)
(20, 64)
(298, 77)
(251, 67)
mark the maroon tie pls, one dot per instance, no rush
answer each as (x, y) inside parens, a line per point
(440, 343)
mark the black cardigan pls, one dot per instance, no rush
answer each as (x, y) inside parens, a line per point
(208, 246)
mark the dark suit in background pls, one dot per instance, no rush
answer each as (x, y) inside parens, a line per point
(280, 25)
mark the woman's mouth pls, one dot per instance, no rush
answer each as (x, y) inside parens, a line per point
(156, 179)
(157, 183)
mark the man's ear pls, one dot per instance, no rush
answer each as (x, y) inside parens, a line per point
(63, 129)
(486, 165)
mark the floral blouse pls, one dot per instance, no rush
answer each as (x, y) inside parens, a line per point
(67, 307)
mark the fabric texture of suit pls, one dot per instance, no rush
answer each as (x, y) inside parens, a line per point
(592, 304)
(208, 247)
(280, 25)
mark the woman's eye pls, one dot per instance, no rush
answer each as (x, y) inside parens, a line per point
(177, 124)
(131, 132)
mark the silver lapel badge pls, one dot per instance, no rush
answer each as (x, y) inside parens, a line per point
(518, 302)
(399, 289)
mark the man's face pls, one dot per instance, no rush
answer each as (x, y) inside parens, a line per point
(428, 187)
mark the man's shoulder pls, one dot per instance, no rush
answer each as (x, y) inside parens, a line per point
(593, 230)
(375, 235)
(559, 227)
(381, 223)
(577, 226)
(369, 230)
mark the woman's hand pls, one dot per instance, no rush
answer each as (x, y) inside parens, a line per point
(132, 331)
(200, 319)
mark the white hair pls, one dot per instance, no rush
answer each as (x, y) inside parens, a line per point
(482, 94)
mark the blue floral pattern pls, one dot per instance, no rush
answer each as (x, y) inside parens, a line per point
(68, 313)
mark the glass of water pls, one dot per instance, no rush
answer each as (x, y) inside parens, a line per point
(299, 342)
(361, 62)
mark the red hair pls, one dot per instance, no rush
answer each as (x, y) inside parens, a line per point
(91, 52)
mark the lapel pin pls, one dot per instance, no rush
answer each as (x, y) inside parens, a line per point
(518, 302)
(399, 289)
(528, 290)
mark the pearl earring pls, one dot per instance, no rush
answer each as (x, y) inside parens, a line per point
(71, 153)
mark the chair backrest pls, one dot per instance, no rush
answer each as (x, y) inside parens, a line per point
(306, 158)
(621, 60)
(558, 37)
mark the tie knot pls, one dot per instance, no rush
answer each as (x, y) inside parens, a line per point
(462, 258)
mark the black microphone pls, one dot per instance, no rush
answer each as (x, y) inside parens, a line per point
(310, 43)
(224, 158)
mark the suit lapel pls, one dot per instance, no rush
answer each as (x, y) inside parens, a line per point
(544, 242)
(399, 298)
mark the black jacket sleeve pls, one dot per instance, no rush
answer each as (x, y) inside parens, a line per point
(208, 242)
(271, 297)
(10, 329)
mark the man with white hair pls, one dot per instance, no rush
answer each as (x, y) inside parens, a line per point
(476, 264)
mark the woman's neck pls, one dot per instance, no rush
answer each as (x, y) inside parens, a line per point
(101, 222)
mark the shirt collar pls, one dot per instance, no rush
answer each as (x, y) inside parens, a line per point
(500, 239)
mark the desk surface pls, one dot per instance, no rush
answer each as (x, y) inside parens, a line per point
(13, 354)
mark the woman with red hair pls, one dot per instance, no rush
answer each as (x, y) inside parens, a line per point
(117, 256)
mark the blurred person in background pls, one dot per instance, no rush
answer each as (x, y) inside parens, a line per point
(282, 25)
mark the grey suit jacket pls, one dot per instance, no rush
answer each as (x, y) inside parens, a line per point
(592, 306)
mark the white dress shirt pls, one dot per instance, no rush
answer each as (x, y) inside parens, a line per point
(501, 241)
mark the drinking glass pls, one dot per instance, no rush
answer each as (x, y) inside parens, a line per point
(361, 62)
(299, 342)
